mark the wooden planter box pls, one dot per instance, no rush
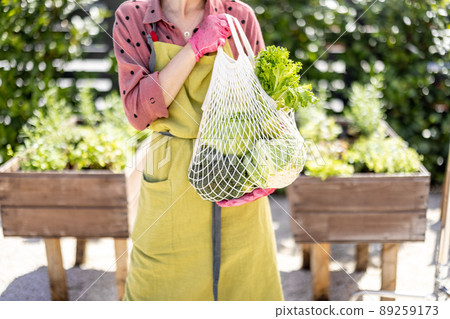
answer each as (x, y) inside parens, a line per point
(82, 204)
(363, 208)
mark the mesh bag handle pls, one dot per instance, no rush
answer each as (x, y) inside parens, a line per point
(233, 22)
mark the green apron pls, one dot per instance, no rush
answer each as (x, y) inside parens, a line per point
(174, 231)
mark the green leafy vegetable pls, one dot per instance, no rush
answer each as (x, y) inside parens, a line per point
(279, 76)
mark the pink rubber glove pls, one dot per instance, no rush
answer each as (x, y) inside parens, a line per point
(212, 33)
(247, 198)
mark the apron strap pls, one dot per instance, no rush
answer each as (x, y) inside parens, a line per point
(216, 226)
(152, 61)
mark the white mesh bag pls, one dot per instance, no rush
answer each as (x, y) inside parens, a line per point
(244, 142)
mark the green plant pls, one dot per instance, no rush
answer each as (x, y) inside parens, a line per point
(339, 42)
(37, 38)
(62, 139)
(381, 154)
(331, 167)
(364, 108)
(362, 146)
(315, 125)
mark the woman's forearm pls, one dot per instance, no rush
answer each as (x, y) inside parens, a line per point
(175, 73)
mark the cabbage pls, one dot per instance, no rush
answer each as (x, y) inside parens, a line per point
(271, 126)
(231, 135)
(217, 177)
(275, 163)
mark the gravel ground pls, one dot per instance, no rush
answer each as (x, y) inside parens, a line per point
(23, 271)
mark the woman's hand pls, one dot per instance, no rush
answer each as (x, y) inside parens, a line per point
(212, 33)
(247, 198)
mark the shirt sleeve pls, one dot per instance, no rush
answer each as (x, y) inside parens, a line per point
(140, 90)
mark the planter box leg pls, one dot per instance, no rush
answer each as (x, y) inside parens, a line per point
(320, 271)
(306, 252)
(362, 257)
(389, 268)
(121, 265)
(80, 257)
(56, 271)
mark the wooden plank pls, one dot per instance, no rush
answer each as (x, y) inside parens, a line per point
(84, 222)
(56, 271)
(67, 188)
(132, 212)
(359, 193)
(80, 257)
(306, 252)
(359, 227)
(133, 184)
(444, 238)
(133, 177)
(445, 190)
(121, 249)
(389, 254)
(362, 257)
(320, 272)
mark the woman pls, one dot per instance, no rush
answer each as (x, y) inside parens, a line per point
(185, 248)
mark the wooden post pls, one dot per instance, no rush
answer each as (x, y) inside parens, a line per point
(80, 257)
(320, 271)
(121, 247)
(56, 271)
(389, 268)
(362, 257)
(306, 252)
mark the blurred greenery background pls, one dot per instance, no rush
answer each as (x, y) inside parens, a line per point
(344, 41)
(405, 42)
